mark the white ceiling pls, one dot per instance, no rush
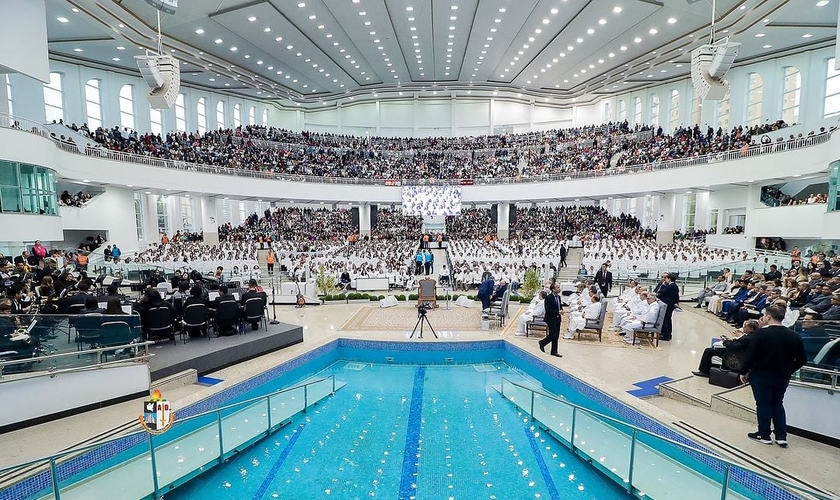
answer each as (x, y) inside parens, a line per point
(321, 50)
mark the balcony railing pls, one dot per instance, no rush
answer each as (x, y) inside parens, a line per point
(9, 121)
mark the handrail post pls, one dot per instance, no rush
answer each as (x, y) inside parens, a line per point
(333, 385)
(305, 397)
(221, 437)
(533, 396)
(725, 485)
(54, 476)
(632, 459)
(154, 465)
(572, 435)
(268, 412)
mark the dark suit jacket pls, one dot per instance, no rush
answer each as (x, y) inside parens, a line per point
(553, 308)
(604, 279)
(670, 294)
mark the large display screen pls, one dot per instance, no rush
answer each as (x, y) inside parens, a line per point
(433, 201)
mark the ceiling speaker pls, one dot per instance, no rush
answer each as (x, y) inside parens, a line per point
(709, 64)
(165, 6)
(162, 74)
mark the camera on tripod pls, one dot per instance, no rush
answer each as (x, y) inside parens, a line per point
(422, 309)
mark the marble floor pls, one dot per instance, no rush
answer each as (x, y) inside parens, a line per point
(613, 369)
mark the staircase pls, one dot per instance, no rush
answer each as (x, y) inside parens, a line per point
(569, 273)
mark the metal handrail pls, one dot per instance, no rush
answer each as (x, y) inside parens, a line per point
(8, 121)
(52, 357)
(54, 458)
(638, 430)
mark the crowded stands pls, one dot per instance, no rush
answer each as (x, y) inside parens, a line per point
(567, 222)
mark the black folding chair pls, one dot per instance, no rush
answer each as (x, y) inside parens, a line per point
(255, 312)
(194, 321)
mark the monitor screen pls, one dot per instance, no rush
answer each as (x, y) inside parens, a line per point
(433, 201)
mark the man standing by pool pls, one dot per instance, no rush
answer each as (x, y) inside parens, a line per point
(553, 309)
(773, 355)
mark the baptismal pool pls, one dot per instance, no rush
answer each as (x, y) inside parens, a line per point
(444, 420)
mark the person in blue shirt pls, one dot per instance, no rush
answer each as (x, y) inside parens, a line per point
(429, 262)
(418, 262)
(116, 253)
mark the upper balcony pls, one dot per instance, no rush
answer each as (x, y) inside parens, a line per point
(28, 141)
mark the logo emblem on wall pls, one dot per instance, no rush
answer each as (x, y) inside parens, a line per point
(157, 416)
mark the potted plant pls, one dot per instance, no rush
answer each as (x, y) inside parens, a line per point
(325, 282)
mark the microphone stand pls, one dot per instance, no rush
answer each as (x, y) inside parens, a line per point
(273, 304)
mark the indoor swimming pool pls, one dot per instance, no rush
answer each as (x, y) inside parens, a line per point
(362, 419)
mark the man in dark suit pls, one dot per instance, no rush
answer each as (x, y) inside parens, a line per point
(604, 280)
(563, 253)
(485, 291)
(553, 310)
(669, 293)
(251, 294)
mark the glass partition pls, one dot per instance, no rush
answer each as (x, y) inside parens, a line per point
(26, 188)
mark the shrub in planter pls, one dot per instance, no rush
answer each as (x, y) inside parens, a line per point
(374, 298)
(471, 297)
(381, 297)
(412, 296)
(400, 298)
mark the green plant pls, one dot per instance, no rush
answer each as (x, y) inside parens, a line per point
(325, 282)
(412, 296)
(400, 298)
(531, 284)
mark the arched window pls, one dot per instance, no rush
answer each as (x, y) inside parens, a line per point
(791, 93)
(637, 110)
(220, 114)
(722, 112)
(180, 114)
(201, 112)
(265, 117)
(127, 106)
(237, 116)
(755, 94)
(674, 120)
(622, 110)
(156, 118)
(54, 98)
(654, 109)
(9, 99)
(92, 104)
(252, 116)
(607, 115)
(832, 90)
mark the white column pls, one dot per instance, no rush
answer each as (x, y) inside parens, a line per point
(503, 220)
(666, 223)
(208, 221)
(150, 224)
(364, 219)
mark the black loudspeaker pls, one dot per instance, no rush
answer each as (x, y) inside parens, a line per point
(494, 213)
(512, 214)
(374, 215)
(354, 217)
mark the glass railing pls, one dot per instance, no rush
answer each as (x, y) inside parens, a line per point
(822, 344)
(71, 361)
(142, 465)
(645, 464)
(9, 121)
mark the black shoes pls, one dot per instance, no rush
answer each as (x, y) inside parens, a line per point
(556, 354)
(764, 440)
(542, 348)
(698, 373)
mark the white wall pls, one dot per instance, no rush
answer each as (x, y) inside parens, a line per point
(111, 211)
(29, 227)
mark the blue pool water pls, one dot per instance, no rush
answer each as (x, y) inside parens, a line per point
(431, 431)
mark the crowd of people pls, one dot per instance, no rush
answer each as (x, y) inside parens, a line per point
(775, 197)
(394, 224)
(608, 148)
(292, 224)
(472, 223)
(566, 222)
(74, 200)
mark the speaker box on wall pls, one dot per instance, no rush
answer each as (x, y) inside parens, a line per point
(494, 213)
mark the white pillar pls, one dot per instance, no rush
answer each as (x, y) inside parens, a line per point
(364, 219)
(503, 220)
(666, 223)
(208, 220)
(150, 223)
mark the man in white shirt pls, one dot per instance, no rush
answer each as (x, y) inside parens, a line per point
(637, 310)
(645, 320)
(577, 319)
(536, 309)
(635, 306)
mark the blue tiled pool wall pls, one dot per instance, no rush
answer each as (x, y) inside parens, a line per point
(557, 382)
(105, 456)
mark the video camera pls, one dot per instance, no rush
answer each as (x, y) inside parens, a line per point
(422, 309)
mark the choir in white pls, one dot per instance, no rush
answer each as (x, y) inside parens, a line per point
(433, 201)
(584, 305)
(635, 308)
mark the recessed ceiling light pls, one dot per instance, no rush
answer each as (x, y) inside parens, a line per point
(77, 50)
(590, 31)
(312, 17)
(252, 18)
(234, 49)
(115, 58)
(759, 35)
(120, 47)
(62, 19)
(218, 41)
(120, 25)
(822, 3)
(617, 9)
(266, 30)
(409, 9)
(199, 31)
(546, 21)
(637, 40)
(623, 47)
(807, 35)
(672, 20)
(454, 7)
(653, 31)
(767, 46)
(602, 21)
(212, 79)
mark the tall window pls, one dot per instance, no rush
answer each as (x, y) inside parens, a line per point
(53, 98)
(9, 95)
(622, 110)
(791, 95)
(138, 215)
(674, 121)
(92, 104)
(186, 214)
(607, 116)
(180, 114)
(637, 110)
(265, 117)
(162, 215)
(243, 213)
(832, 90)
(654, 109)
(220, 114)
(647, 217)
(754, 97)
(127, 106)
(237, 116)
(226, 213)
(156, 117)
(201, 111)
(690, 208)
(252, 116)
(713, 219)
(723, 112)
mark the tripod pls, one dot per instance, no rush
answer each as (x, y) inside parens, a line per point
(421, 319)
(274, 304)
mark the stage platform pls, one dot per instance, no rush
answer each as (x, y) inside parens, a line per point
(207, 356)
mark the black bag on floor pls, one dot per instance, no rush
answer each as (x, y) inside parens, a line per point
(723, 378)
